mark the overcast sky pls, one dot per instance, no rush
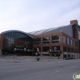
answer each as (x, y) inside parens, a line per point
(32, 15)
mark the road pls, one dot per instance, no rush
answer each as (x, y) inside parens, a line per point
(39, 70)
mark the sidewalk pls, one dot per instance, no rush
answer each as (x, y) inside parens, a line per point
(29, 58)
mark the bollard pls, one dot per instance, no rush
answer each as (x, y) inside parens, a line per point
(37, 59)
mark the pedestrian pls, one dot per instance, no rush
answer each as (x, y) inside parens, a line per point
(50, 51)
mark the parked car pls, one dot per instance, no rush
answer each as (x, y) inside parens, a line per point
(68, 58)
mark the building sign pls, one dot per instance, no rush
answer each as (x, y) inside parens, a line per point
(55, 48)
(18, 49)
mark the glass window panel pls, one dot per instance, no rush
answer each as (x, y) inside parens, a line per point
(55, 39)
(67, 40)
(68, 49)
(37, 40)
(64, 49)
(46, 39)
(45, 49)
(64, 39)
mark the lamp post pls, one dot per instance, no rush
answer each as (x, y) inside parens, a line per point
(37, 54)
(14, 53)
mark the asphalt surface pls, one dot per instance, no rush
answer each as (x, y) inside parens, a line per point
(38, 70)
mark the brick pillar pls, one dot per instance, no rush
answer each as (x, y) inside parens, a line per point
(1, 43)
(75, 30)
(51, 41)
(61, 42)
(61, 48)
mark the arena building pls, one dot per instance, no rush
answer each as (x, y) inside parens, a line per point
(61, 42)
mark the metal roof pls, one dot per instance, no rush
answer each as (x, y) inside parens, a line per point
(66, 29)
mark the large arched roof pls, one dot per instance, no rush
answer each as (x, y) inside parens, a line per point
(66, 29)
(52, 30)
(28, 34)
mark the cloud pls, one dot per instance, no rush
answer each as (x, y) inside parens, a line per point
(73, 15)
(31, 15)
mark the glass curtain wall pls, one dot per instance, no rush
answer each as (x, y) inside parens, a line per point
(17, 40)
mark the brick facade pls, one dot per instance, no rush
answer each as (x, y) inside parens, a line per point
(61, 44)
(1, 43)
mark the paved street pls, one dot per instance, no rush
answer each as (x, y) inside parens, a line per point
(39, 70)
